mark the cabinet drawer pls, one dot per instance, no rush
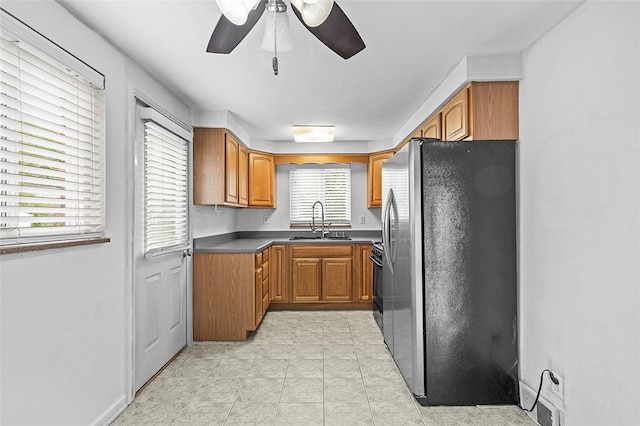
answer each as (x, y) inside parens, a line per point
(265, 269)
(265, 285)
(258, 260)
(265, 255)
(341, 250)
(265, 303)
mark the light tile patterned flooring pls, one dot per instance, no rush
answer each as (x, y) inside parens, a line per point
(298, 368)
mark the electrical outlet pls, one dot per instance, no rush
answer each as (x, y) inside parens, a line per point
(559, 388)
(197, 216)
(265, 219)
(362, 220)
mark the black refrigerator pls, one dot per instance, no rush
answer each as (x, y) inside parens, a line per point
(450, 289)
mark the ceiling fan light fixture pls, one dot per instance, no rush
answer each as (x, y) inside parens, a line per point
(276, 29)
(237, 11)
(304, 134)
(314, 12)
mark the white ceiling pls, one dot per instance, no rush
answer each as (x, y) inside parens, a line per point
(411, 47)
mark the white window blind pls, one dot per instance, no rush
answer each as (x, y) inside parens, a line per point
(330, 184)
(166, 159)
(51, 145)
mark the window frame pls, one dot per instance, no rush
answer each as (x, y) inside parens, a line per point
(67, 66)
(295, 202)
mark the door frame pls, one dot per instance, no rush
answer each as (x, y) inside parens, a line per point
(133, 97)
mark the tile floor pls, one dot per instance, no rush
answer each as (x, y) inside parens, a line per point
(298, 368)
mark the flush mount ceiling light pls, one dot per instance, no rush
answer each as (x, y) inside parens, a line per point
(313, 133)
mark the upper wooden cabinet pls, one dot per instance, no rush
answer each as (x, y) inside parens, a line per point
(455, 117)
(225, 172)
(243, 176)
(482, 111)
(262, 180)
(218, 175)
(232, 169)
(432, 128)
(374, 175)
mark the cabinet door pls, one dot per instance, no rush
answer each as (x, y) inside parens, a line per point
(278, 274)
(232, 148)
(432, 128)
(306, 279)
(262, 178)
(243, 176)
(374, 197)
(208, 166)
(337, 276)
(364, 273)
(257, 297)
(455, 117)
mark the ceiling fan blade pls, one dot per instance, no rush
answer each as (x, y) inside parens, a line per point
(336, 32)
(227, 35)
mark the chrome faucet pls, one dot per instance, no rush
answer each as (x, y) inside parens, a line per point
(313, 218)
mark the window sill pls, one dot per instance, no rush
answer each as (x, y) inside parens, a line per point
(23, 248)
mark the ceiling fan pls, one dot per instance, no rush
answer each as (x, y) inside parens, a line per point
(323, 18)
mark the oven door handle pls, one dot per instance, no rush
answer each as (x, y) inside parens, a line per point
(375, 261)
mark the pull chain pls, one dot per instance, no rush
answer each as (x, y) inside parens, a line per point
(274, 61)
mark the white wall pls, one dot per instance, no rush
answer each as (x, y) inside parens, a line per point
(252, 219)
(579, 213)
(64, 354)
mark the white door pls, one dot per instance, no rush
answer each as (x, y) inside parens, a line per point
(161, 242)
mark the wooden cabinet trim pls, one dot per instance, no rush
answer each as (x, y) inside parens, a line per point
(320, 158)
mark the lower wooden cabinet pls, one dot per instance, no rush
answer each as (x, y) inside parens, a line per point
(230, 294)
(363, 273)
(232, 291)
(330, 276)
(279, 274)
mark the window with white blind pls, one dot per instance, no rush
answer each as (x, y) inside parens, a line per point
(51, 141)
(166, 171)
(328, 183)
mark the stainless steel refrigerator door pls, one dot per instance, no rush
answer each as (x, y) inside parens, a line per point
(406, 329)
(388, 224)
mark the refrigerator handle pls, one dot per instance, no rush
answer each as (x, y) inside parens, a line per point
(386, 217)
(393, 229)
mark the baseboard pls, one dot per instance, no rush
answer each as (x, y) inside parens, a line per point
(112, 412)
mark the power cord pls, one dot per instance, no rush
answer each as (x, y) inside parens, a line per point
(553, 379)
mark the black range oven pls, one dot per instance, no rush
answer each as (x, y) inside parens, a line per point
(377, 251)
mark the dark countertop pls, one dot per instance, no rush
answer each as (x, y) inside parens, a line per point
(253, 242)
